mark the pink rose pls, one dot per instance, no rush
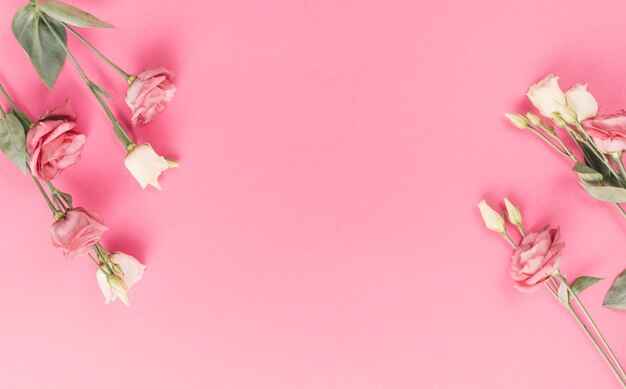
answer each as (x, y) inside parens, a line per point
(150, 93)
(608, 132)
(77, 232)
(52, 144)
(536, 258)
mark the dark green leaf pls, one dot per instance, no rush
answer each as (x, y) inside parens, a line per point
(38, 41)
(69, 14)
(587, 174)
(13, 141)
(595, 163)
(583, 282)
(616, 296)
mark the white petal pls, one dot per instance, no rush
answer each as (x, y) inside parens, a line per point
(104, 286)
(582, 102)
(546, 95)
(132, 268)
(145, 165)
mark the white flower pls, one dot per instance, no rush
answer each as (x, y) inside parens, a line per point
(146, 165)
(582, 102)
(493, 220)
(546, 95)
(114, 285)
(513, 213)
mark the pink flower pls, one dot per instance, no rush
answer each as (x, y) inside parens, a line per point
(77, 232)
(536, 258)
(150, 93)
(608, 132)
(52, 144)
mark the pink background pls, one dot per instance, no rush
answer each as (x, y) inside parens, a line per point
(322, 230)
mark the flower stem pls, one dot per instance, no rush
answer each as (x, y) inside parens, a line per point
(45, 196)
(508, 239)
(593, 324)
(98, 53)
(117, 127)
(590, 336)
(549, 142)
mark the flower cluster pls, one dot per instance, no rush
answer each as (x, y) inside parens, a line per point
(598, 141)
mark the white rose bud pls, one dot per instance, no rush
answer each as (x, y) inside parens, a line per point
(493, 220)
(513, 213)
(113, 285)
(546, 95)
(582, 102)
(518, 120)
(146, 165)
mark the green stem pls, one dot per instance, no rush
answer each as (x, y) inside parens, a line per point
(617, 159)
(549, 142)
(508, 239)
(591, 338)
(593, 324)
(117, 127)
(45, 196)
(620, 209)
(98, 53)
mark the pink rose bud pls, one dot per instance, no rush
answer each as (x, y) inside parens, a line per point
(77, 232)
(536, 258)
(608, 132)
(150, 93)
(52, 144)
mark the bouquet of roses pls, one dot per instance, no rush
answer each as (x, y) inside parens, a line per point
(598, 140)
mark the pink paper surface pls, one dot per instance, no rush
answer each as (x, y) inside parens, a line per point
(322, 231)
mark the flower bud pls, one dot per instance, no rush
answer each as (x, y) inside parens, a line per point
(493, 220)
(518, 120)
(558, 120)
(568, 114)
(118, 288)
(533, 119)
(513, 213)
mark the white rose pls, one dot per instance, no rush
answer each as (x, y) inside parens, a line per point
(146, 165)
(582, 102)
(113, 285)
(547, 96)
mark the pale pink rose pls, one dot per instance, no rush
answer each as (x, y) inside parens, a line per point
(52, 144)
(77, 232)
(536, 258)
(150, 93)
(608, 132)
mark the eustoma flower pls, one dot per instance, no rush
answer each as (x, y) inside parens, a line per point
(123, 272)
(146, 165)
(52, 143)
(76, 232)
(608, 132)
(549, 99)
(535, 263)
(150, 93)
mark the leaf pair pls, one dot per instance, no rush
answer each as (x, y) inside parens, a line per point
(599, 186)
(39, 27)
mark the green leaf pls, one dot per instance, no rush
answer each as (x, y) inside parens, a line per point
(583, 282)
(98, 89)
(616, 296)
(69, 14)
(610, 194)
(13, 141)
(38, 41)
(587, 174)
(595, 163)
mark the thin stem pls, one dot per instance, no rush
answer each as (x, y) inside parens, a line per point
(508, 239)
(58, 197)
(98, 53)
(119, 130)
(617, 159)
(548, 141)
(620, 209)
(45, 196)
(593, 324)
(2, 112)
(591, 338)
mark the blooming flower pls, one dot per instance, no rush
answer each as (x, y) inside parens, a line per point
(549, 99)
(146, 165)
(77, 232)
(608, 132)
(52, 144)
(150, 93)
(536, 258)
(113, 285)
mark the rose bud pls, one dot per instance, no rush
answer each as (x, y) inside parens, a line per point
(77, 232)
(52, 144)
(150, 93)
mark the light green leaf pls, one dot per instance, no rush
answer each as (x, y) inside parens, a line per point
(69, 14)
(36, 38)
(564, 294)
(610, 194)
(13, 141)
(616, 296)
(583, 282)
(587, 174)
